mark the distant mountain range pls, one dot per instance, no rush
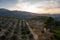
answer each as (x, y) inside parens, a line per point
(25, 14)
(16, 13)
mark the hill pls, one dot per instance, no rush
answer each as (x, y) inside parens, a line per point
(24, 14)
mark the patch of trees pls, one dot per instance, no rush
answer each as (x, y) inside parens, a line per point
(54, 26)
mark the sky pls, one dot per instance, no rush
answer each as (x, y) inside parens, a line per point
(35, 6)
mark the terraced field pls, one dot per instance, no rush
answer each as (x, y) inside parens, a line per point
(14, 29)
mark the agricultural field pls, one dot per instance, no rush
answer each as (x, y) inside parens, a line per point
(14, 29)
(42, 28)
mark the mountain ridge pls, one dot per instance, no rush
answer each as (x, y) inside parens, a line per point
(25, 14)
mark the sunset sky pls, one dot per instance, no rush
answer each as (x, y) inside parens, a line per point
(35, 6)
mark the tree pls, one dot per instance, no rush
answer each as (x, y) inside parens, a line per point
(49, 22)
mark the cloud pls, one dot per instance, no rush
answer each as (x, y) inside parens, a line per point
(45, 3)
(8, 3)
(39, 4)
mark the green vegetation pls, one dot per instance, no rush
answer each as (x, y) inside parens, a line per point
(14, 37)
(50, 23)
(56, 34)
(39, 18)
(2, 38)
(53, 25)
